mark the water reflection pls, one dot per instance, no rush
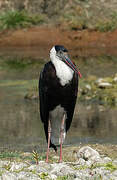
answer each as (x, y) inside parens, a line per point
(94, 124)
(20, 125)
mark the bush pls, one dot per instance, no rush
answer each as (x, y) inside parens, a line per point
(15, 19)
(108, 24)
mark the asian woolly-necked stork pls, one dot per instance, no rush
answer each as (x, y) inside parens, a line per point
(58, 87)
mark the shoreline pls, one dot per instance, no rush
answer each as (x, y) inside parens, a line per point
(84, 42)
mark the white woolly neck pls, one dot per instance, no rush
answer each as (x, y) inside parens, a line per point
(63, 72)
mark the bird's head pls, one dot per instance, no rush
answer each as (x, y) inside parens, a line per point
(59, 52)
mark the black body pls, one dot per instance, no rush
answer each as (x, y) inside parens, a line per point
(52, 94)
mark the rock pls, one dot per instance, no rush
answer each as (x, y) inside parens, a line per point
(115, 173)
(9, 176)
(61, 169)
(4, 163)
(37, 168)
(81, 161)
(27, 176)
(52, 176)
(89, 107)
(107, 160)
(17, 166)
(104, 85)
(115, 162)
(101, 172)
(87, 153)
(90, 165)
(88, 87)
(45, 165)
(115, 79)
(100, 80)
(101, 108)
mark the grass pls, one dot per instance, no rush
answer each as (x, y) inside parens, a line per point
(19, 19)
(103, 96)
(43, 175)
(9, 155)
(109, 24)
(35, 157)
(75, 19)
(69, 154)
(19, 63)
(67, 177)
(110, 166)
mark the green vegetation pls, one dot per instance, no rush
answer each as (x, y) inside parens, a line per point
(110, 166)
(64, 177)
(78, 19)
(92, 92)
(109, 24)
(75, 15)
(17, 63)
(75, 21)
(16, 19)
(35, 157)
(9, 154)
(43, 175)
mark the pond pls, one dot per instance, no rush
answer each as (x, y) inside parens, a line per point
(20, 124)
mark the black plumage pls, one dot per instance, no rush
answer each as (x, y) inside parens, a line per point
(53, 94)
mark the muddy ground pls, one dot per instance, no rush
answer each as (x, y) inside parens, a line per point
(85, 42)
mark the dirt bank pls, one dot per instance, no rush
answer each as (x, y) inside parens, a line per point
(43, 38)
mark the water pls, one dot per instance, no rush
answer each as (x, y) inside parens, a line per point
(20, 124)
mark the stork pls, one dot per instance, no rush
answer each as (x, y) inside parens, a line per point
(58, 87)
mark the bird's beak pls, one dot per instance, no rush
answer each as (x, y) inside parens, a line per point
(67, 61)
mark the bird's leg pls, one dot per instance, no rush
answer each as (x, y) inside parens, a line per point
(61, 137)
(49, 135)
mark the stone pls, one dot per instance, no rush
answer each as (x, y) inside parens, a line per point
(100, 80)
(9, 176)
(61, 169)
(52, 176)
(90, 165)
(88, 87)
(87, 153)
(115, 173)
(81, 161)
(107, 160)
(115, 162)
(4, 163)
(37, 168)
(17, 166)
(27, 176)
(115, 79)
(104, 85)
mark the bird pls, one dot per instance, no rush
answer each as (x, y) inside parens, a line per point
(58, 89)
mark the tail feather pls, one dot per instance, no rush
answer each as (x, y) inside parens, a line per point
(56, 117)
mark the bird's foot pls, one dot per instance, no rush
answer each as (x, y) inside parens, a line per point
(60, 160)
(46, 160)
